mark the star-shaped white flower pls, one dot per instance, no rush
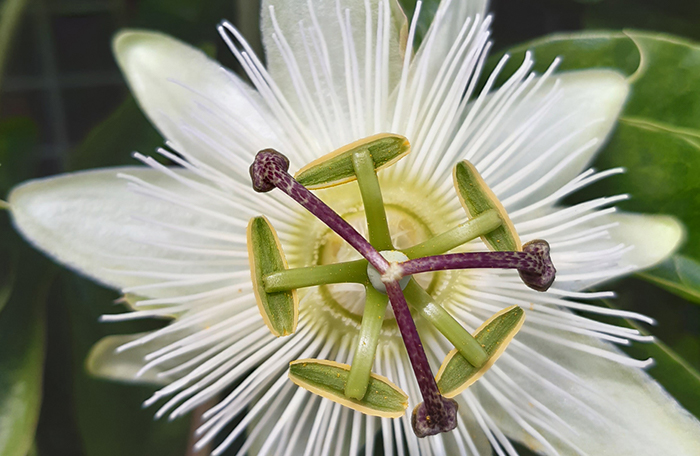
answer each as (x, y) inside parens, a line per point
(338, 71)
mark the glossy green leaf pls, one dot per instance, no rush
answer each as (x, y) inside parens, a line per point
(577, 51)
(679, 274)
(456, 374)
(328, 379)
(337, 167)
(280, 310)
(676, 350)
(658, 136)
(679, 17)
(658, 139)
(477, 198)
(22, 350)
(427, 14)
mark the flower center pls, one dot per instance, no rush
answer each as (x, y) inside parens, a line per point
(381, 272)
(412, 216)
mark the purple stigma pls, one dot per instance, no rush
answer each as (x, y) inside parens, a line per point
(266, 162)
(424, 424)
(542, 273)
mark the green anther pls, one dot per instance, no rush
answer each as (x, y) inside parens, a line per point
(456, 374)
(280, 310)
(372, 320)
(480, 225)
(464, 342)
(337, 167)
(476, 198)
(289, 279)
(328, 379)
(364, 166)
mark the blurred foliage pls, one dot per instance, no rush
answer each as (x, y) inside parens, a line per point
(24, 276)
(677, 358)
(658, 141)
(98, 405)
(110, 143)
(22, 342)
(679, 274)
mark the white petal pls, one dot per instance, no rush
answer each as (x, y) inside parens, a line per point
(105, 362)
(631, 414)
(87, 221)
(451, 17)
(204, 109)
(560, 143)
(654, 237)
(647, 240)
(310, 56)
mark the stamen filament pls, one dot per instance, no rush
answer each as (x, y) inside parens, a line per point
(439, 414)
(467, 345)
(288, 279)
(378, 228)
(533, 263)
(459, 235)
(372, 320)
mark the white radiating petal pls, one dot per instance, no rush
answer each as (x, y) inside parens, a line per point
(625, 243)
(654, 237)
(451, 16)
(330, 73)
(630, 414)
(561, 143)
(202, 108)
(104, 361)
(170, 242)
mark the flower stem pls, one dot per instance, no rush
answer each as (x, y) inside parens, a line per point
(533, 263)
(372, 320)
(441, 413)
(269, 170)
(461, 234)
(288, 279)
(377, 226)
(446, 324)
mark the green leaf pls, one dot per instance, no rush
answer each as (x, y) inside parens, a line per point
(676, 350)
(577, 51)
(679, 274)
(427, 14)
(658, 136)
(22, 349)
(679, 17)
(658, 139)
